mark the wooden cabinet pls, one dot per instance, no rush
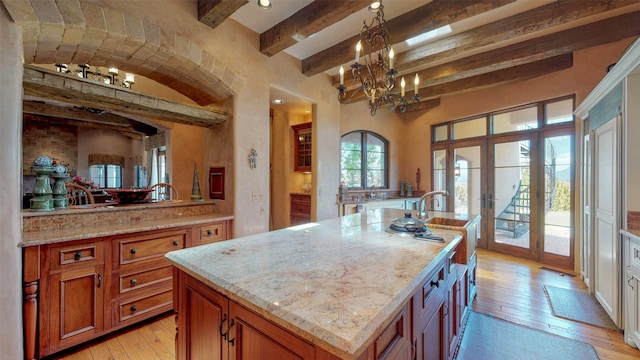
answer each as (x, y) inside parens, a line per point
(302, 147)
(76, 291)
(210, 326)
(632, 289)
(75, 288)
(395, 341)
(300, 209)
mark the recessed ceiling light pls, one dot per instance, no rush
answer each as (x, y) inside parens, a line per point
(278, 101)
(264, 4)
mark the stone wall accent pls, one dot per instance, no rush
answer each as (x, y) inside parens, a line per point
(53, 140)
(79, 32)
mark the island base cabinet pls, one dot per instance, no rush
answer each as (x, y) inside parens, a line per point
(210, 326)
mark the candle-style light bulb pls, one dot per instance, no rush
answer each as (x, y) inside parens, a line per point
(416, 81)
(358, 48)
(402, 84)
(341, 75)
(391, 55)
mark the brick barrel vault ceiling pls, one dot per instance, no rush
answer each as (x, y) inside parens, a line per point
(85, 33)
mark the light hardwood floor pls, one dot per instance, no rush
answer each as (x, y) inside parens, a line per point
(508, 287)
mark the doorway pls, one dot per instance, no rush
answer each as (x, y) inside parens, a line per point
(517, 174)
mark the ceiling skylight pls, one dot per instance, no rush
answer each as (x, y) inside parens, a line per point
(424, 37)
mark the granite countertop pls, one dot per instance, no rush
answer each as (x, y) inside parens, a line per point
(335, 283)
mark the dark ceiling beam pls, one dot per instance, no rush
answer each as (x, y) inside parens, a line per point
(536, 49)
(490, 79)
(214, 12)
(78, 123)
(425, 18)
(306, 22)
(538, 19)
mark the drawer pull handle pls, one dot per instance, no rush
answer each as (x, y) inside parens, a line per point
(133, 251)
(175, 243)
(223, 334)
(77, 256)
(435, 283)
(231, 324)
(134, 308)
(133, 281)
(99, 280)
(209, 233)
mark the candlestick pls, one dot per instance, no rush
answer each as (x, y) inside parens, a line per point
(416, 81)
(391, 55)
(358, 48)
(341, 75)
(402, 84)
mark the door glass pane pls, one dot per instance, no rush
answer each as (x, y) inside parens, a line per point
(351, 160)
(440, 133)
(557, 195)
(470, 128)
(518, 120)
(511, 194)
(375, 162)
(467, 191)
(439, 177)
(559, 112)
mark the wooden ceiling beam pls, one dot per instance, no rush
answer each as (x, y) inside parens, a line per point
(490, 79)
(87, 116)
(78, 123)
(425, 18)
(536, 49)
(542, 18)
(306, 22)
(214, 12)
(44, 84)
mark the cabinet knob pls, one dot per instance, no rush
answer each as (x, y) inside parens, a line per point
(134, 308)
(77, 256)
(175, 243)
(435, 283)
(133, 251)
(133, 281)
(209, 232)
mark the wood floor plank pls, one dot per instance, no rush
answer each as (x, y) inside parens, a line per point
(136, 347)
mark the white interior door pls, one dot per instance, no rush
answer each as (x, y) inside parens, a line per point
(606, 221)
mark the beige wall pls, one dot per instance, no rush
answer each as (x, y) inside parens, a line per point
(10, 178)
(630, 134)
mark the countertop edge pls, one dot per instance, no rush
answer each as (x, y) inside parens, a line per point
(52, 237)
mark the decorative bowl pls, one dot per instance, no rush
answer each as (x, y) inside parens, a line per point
(129, 196)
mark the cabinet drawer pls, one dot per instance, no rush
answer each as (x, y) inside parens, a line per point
(300, 209)
(394, 340)
(301, 199)
(212, 233)
(147, 248)
(128, 309)
(143, 279)
(77, 255)
(430, 291)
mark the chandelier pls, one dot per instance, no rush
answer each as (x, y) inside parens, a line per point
(377, 75)
(110, 77)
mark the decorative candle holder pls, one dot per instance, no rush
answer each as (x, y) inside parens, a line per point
(60, 199)
(42, 201)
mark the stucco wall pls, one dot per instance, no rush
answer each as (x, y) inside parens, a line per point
(10, 176)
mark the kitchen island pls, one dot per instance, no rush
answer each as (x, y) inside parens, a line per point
(342, 288)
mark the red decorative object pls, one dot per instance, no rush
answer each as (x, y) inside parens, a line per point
(216, 183)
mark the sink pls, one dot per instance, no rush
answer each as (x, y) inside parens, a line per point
(446, 221)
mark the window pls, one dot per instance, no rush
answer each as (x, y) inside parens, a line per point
(363, 160)
(106, 176)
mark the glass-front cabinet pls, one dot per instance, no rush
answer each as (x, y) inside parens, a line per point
(302, 147)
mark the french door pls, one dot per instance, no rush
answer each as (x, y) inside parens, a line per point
(521, 185)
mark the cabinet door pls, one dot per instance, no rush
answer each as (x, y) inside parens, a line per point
(451, 315)
(203, 322)
(76, 306)
(431, 338)
(253, 337)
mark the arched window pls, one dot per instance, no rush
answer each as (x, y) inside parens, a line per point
(363, 160)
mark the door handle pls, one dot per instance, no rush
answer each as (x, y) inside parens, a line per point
(484, 200)
(490, 201)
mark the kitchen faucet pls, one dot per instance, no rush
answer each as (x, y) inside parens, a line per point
(423, 199)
